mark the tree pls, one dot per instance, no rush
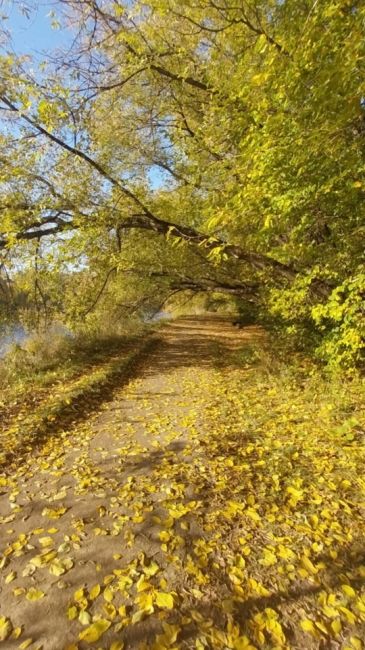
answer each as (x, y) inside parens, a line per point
(252, 119)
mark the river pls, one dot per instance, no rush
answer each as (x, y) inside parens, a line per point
(15, 334)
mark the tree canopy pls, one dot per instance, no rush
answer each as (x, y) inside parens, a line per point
(209, 145)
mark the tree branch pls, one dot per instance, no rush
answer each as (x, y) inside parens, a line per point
(148, 221)
(100, 292)
(37, 234)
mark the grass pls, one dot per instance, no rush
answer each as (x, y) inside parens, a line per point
(45, 393)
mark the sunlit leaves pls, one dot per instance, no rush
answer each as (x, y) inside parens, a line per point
(308, 626)
(84, 617)
(59, 567)
(94, 592)
(5, 628)
(240, 155)
(25, 644)
(72, 612)
(95, 631)
(268, 559)
(34, 594)
(108, 595)
(53, 513)
(164, 600)
(259, 500)
(10, 577)
(169, 636)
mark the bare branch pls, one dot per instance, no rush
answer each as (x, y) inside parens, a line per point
(100, 292)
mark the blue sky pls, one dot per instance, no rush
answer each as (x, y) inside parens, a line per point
(33, 34)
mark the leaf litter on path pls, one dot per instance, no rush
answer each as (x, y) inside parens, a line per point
(202, 508)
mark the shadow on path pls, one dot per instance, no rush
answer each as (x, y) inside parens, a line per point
(197, 341)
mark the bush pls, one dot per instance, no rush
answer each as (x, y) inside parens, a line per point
(38, 353)
(342, 321)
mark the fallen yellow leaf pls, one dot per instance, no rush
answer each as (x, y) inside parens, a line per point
(5, 628)
(34, 594)
(95, 631)
(164, 600)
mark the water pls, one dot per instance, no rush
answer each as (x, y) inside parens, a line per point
(156, 317)
(18, 335)
(15, 335)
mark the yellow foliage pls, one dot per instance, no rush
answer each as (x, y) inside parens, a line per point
(95, 631)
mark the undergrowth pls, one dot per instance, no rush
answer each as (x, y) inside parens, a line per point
(65, 384)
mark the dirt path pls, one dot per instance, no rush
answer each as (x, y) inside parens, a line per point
(74, 508)
(128, 530)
